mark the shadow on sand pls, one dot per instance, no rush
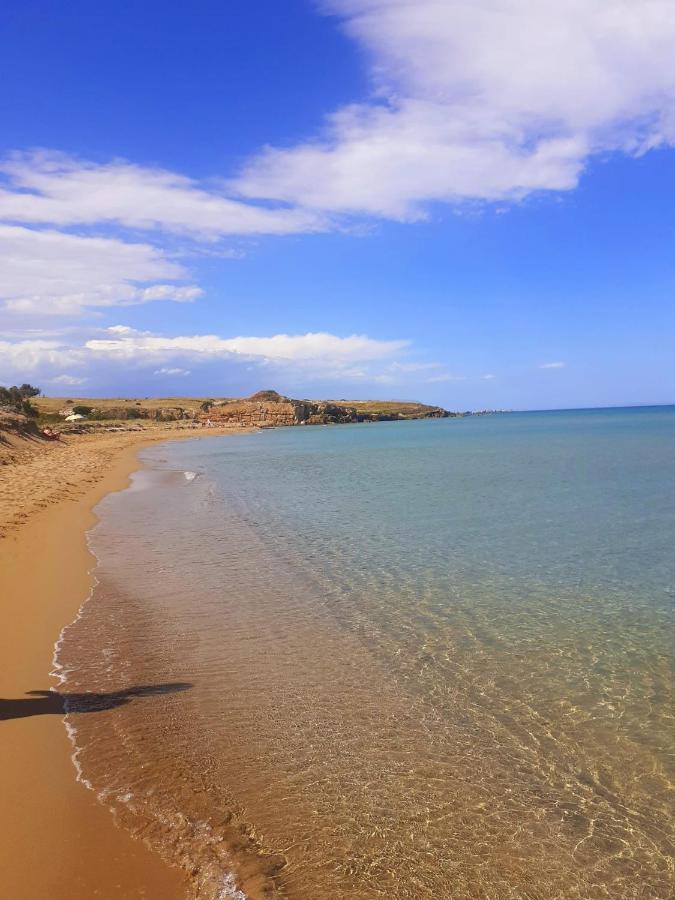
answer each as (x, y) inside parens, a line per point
(47, 703)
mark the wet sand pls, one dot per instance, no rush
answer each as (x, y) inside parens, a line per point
(57, 840)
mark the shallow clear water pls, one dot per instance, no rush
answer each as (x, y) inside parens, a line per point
(426, 659)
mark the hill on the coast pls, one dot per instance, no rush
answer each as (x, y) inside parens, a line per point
(265, 408)
(19, 430)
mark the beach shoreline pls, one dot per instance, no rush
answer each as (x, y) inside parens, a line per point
(58, 840)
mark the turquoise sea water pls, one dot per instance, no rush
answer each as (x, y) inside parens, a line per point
(427, 659)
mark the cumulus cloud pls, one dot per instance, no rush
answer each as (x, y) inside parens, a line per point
(299, 359)
(552, 365)
(55, 273)
(29, 355)
(483, 101)
(317, 351)
(312, 355)
(122, 329)
(170, 292)
(489, 100)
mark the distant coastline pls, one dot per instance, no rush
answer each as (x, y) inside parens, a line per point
(262, 409)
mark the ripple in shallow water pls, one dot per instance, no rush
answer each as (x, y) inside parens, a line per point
(383, 706)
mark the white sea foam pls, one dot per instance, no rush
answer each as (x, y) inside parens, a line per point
(190, 476)
(229, 890)
(61, 673)
(72, 735)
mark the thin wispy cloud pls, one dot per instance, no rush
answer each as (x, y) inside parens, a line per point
(48, 272)
(68, 380)
(168, 370)
(50, 188)
(552, 365)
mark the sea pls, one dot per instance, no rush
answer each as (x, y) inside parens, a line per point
(403, 660)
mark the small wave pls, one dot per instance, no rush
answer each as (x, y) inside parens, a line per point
(61, 674)
(190, 476)
(230, 891)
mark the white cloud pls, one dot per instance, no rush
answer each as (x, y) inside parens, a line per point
(487, 100)
(170, 292)
(69, 380)
(53, 188)
(29, 355)
(121, 329)
(313, 350)
(488, 377)
(553, 365)
(310, 356)
(54, 273)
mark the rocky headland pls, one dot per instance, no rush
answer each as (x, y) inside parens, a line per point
(270, 409)
(265, 409)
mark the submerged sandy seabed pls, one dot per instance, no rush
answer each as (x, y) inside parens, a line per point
(363, 714)
(375, 754)
(56, 840)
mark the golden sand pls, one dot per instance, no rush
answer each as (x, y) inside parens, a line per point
(57, 840)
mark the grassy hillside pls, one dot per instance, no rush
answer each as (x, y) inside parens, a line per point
(401, 408)
(51, 406)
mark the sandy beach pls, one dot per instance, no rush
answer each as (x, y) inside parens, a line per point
(58, 841)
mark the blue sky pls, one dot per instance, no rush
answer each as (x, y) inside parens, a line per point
(467, 205)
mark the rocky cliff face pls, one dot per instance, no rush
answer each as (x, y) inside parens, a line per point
(264, 409)
(269, 409)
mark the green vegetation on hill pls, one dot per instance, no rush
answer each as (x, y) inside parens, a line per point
(264, 407)
(104, 404)
(402, 409)
(18, 399)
